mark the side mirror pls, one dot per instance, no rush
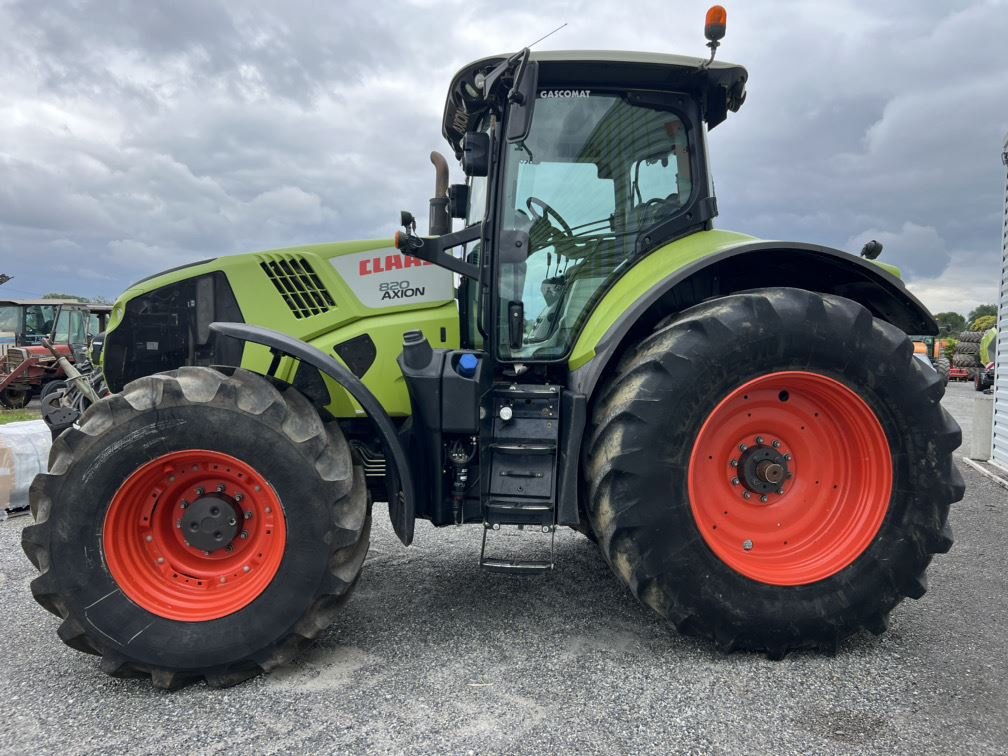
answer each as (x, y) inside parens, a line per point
(522, 100)
(458, 201)
(476, 153)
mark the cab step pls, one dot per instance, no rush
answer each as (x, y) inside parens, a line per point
(513, 565)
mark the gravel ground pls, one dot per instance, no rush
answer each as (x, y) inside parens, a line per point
(433, 655)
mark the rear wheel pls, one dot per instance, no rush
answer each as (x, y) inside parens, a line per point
(228, 521)
(755, 484)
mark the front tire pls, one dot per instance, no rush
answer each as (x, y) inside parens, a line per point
(197, 525)
(856, 459)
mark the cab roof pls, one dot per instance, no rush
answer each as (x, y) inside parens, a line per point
(29, 302)
(720, 87)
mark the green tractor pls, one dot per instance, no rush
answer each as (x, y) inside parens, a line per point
(740, 425)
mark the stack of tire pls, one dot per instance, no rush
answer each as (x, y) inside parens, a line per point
(967, 353)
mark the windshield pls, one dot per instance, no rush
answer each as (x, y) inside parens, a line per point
(594, 172)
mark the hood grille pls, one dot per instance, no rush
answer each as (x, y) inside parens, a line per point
(296, 281)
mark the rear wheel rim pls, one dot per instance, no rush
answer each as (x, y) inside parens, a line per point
(834, 468)
(194, 535)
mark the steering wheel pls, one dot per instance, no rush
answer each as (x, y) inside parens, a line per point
(546, 212)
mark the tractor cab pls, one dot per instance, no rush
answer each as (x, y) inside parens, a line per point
(577, 164)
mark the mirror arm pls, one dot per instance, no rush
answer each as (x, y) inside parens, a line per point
(432, 248)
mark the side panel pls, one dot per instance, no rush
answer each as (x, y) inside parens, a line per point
(383, 378)
(324, 295)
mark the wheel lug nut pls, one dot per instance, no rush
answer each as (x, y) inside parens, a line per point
(246, 568)
(206, 553)
(747, 545)
(734, 463)
(239, 498)
(200, 491)
(776, 444)
(248, 515)
(244, 534)
(747, 495)
(764, 498)
(221, 488)
(178, 524)
(742, 447)
(787, 457)
(184, 504)
(229, 547)
(759, 440)
(734, 481)
(780, 491)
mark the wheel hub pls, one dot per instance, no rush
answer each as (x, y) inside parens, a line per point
(764, 468)
(211, 523)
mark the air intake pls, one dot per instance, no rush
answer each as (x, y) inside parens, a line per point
(296, 281)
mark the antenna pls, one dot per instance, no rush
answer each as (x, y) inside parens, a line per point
(547, 35)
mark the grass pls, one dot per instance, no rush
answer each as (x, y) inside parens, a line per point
(15, 416)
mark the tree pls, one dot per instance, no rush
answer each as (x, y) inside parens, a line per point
(984, 323)
(980, 311)
(76, 298)
(950, 323)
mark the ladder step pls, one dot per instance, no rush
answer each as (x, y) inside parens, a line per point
(518, 448)
(516, 566)
(519, 513)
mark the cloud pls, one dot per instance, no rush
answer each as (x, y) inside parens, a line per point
(136, 136)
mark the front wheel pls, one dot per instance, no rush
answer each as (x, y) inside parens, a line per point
(197, 525)
(13, 398)
(773, 470)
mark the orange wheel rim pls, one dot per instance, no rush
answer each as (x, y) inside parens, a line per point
(790, 478)
(194, 535)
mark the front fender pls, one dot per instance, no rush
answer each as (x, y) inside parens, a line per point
(402, 496)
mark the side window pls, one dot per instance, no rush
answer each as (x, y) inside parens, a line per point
(62, 332)
(78, 334)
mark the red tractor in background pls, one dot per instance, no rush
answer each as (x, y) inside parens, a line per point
(27, 367)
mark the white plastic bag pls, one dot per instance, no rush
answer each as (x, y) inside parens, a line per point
(24, 453)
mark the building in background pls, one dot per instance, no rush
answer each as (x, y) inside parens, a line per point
(999, 442)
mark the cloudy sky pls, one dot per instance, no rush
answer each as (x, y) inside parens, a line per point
(136, 135)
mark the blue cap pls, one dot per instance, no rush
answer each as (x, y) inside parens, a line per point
(467, 365)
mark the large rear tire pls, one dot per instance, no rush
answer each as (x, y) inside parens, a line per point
(197, 525)
(773, 470)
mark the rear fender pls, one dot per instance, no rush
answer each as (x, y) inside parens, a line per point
(745, 266)
(401, 494)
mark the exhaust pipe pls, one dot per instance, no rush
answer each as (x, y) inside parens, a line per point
(440, 221)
